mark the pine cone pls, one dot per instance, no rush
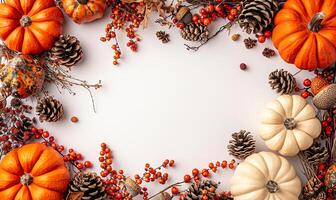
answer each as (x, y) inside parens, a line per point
(66, 51)
(282, 81)
(196, 33)
(316, 154)
(163, 36)
(242, 145)
(313, 190)
(257, 15)
(89, 183)
(49, 109)
(194, 192)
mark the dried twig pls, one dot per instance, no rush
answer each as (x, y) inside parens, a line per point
(224, 27)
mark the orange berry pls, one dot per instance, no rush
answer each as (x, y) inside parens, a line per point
(74, 119)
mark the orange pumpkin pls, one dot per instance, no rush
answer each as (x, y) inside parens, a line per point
(83, 11)
(33, 172)
(30, 26)
(305, 33)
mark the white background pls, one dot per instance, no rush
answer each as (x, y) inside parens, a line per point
(164, 101)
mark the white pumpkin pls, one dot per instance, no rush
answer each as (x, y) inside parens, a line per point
(265, 176)
(289, 125)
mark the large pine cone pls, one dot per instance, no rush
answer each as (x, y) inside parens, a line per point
(196, 33)
(316, 154)
(282, 81)
(313, 190)
(195, 190)
(66, 51)
(257, 15)
(90, 184)
(49, 109)
(242, 145)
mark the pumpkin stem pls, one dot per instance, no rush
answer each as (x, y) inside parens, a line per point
(25, 21)
(26, 179)
(82, 1)
(272, 186)
(289, 123)
(315, 23)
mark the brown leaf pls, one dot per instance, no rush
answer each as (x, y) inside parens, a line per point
(75, 196)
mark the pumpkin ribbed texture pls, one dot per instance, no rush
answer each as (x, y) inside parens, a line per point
(33, 172)
(30, 26)
(305, 33)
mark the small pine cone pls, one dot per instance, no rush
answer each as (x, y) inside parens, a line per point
(316, 154)
(242, 145)
(49, 109)
(250, 43)
(282, 81)
(195, 190)
(163, 36)
(313, 190)
(257, 15)
(196, 33)
(66, 51)
(90, 184)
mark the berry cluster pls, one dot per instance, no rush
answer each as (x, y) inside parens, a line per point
(321, 172)
(212, 167)
(73, 157)
(15, 126)
(113, 179)
(211, 13)
(124, 16)
(155, 174)
(328, 125)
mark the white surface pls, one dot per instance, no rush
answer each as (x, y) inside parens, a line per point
(165, 102)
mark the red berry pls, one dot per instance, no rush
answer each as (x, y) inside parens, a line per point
(261, 38)
(324, 123)
(307, 82)
(219, 8)
(206, 21)
(195, 18)
(233, 11)
(80, 165)
(203, 11)
(210, 8)
(195, 172)
(87, 164)
(267, 34)
(205, 173)
(175, 190)
(231, 17)
(187, 178)
(305, 94)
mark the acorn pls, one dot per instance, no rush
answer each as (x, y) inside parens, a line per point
(325, 93)
(132, 187)
(184, 15)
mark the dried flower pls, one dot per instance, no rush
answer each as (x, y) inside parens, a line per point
(267, 52)
(250, 43)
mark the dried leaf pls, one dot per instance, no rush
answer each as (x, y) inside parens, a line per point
(164, 22)
(75, 196)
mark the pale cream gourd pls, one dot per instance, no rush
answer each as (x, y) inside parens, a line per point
(265, 176)
(289, 125)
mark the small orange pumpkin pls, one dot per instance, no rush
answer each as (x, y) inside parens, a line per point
(33, 172)
(83, 11)
(305, 33)
(30, 26)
